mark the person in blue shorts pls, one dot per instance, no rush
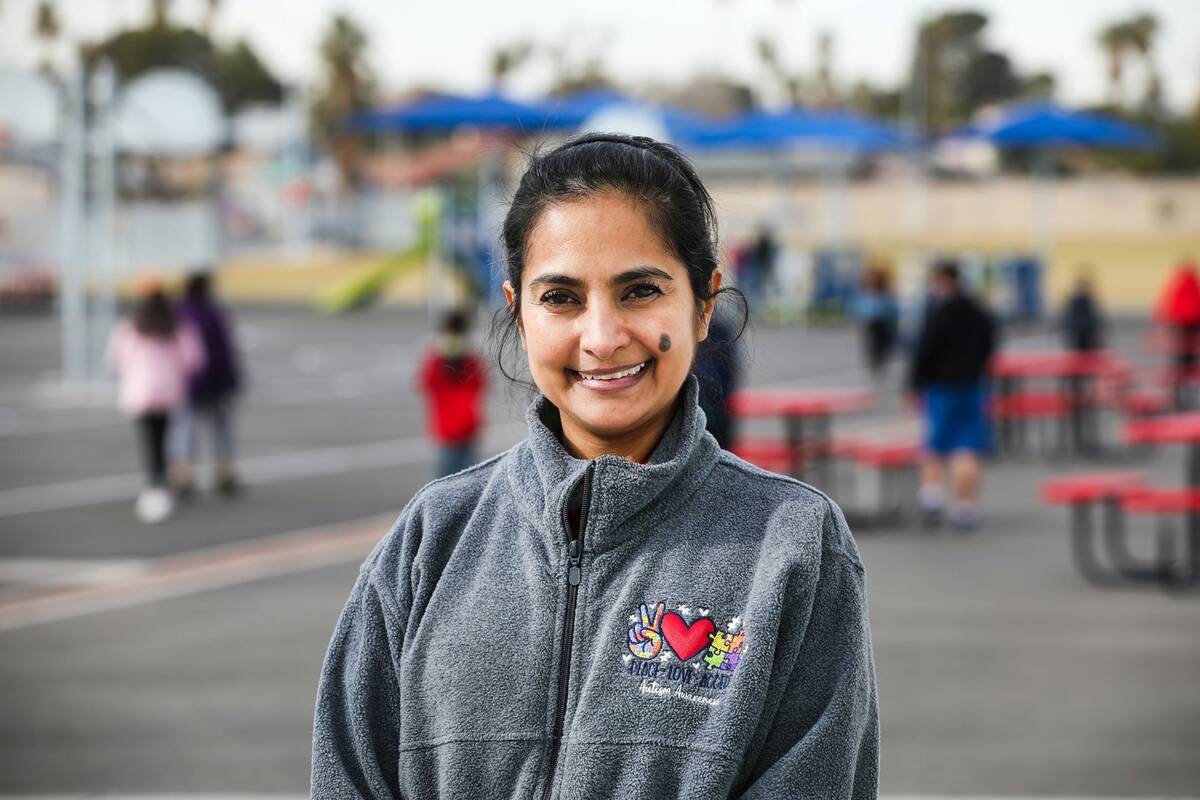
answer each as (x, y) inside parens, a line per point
(949, 375)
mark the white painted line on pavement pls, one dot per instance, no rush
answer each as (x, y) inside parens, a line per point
(286, 466)
(203, 570)
(69, 571)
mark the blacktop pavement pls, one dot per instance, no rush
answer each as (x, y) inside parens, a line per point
(182, 659)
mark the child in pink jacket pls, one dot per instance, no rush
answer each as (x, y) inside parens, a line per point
(153, 356)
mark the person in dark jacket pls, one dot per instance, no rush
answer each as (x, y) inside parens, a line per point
(211, 391)
(453, 380)
(949, 373)
(1082, 322)
(615, 607)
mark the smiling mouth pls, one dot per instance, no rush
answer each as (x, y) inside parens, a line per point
(627, 372)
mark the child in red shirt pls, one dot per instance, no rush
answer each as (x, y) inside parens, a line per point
(453, 380)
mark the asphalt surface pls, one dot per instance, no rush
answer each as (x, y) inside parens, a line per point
(1001, 672)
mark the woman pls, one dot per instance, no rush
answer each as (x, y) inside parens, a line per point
(615, 607)
(153, 357)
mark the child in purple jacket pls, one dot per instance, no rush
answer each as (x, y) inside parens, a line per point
(211, 390)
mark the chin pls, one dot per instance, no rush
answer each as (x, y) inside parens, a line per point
(611, 425)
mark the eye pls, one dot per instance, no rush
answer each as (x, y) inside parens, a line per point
(556, 297)
(642, 291)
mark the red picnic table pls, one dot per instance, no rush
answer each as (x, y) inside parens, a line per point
(1178, 429)
(807, 414)
(1072, 368)
(1021, 364)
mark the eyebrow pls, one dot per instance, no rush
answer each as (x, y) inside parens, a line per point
(627, 276)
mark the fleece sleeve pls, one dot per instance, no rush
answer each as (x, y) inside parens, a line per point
(825, 740)
(356, 727)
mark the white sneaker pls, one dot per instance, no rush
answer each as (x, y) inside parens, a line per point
(965, 517)
(154, 504)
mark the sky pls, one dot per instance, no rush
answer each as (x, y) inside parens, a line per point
(447, 44)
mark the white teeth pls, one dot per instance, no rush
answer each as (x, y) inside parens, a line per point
(622, 374)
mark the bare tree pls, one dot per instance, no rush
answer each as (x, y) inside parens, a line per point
(789, 83)
(508, 58)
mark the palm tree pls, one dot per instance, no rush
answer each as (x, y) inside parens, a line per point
(346, 90)
(46, 29)
(1142, 30)
(1116, 42)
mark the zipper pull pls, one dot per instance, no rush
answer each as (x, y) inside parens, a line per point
(573, 575)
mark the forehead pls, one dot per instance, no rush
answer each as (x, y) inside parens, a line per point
(597, 236)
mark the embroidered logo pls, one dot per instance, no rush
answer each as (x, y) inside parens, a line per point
(695, 659)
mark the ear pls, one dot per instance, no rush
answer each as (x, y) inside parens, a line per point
(510, 297)
(709, 306)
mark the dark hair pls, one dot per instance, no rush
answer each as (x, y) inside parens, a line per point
(154, 316)
(946, 268)
(198, 286)
(655, 175)
(877, 279)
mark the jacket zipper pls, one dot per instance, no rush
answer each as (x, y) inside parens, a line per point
(574, 575)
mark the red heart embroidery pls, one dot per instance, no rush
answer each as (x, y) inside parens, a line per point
(686, 640)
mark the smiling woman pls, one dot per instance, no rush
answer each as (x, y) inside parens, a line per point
(600, 286)
(615, 607)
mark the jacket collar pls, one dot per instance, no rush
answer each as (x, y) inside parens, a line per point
(625, 496)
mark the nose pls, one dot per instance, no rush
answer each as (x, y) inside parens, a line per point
(603, 331)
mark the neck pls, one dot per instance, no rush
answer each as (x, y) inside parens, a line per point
(636, 445)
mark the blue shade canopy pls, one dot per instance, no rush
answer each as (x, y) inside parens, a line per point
(763, 130)
(491, 111)
(571, 111)
(1045, 125)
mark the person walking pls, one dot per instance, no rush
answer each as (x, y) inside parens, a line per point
(453, 380)
(949, 375)
(212, 390)
(615, 607)
(878, 313)
(154, 356)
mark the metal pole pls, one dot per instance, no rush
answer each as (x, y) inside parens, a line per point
(1043, 206)
(71, 176)
(104, 279)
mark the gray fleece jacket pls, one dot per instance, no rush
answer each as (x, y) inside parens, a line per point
(705, 636)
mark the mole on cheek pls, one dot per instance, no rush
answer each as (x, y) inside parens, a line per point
(664, 343)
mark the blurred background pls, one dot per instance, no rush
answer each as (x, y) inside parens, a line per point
(249, 257)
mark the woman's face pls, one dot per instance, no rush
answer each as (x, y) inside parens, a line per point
(609, 321)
